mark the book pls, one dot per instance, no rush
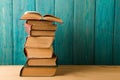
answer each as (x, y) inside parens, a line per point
(40, 28)
(39, 42)
(42, 61)
(36, 33)
(44, 71)
(33, 15)
(41, 25)
(39, 52)
(39, 22)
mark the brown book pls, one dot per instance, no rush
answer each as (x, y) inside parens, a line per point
(39, 52)
(36, 33)
(39, 42)
(42, 61)
(41, 25)
(44, 28)
(33, 15)
(44, 71)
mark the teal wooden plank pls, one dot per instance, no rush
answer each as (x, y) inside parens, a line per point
(84, 31)
(45, 6)
(104, 31)
(116, 55)
(6, 53)
(64, 34)
(19, 34)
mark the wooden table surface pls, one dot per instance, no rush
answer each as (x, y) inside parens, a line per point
(66, 72)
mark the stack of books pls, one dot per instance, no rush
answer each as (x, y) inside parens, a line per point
(41, 60)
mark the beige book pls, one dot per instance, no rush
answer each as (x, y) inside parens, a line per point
(42, 33)
(39, 23)
(39, 42)
(41, 61)
(39, 52)
(44, 28)
(38, 71)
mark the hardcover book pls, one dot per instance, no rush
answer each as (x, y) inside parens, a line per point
(42, 61)
(38, 71)
(39, 42)
(36, 33)
(38, 52)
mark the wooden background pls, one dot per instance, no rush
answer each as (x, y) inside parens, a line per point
(90, 33)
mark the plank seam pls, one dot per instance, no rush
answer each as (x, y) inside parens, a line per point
(94, 31)
(113, 32)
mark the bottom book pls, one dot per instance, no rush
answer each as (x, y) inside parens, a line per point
(44, 71)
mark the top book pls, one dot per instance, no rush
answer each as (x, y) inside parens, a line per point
(33, 15)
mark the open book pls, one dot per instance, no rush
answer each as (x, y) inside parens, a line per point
(33, 15)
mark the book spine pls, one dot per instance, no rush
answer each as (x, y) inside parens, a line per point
(44, 28)
(25, 52)
(21, 71)
(42, 33)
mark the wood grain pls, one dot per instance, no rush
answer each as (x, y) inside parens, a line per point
(64, 34)
(83, 43)
(45, 6)
(19, 35)
(66, 72)
(89, 34)
(116, 46)
(6, 39)
(104, 31)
